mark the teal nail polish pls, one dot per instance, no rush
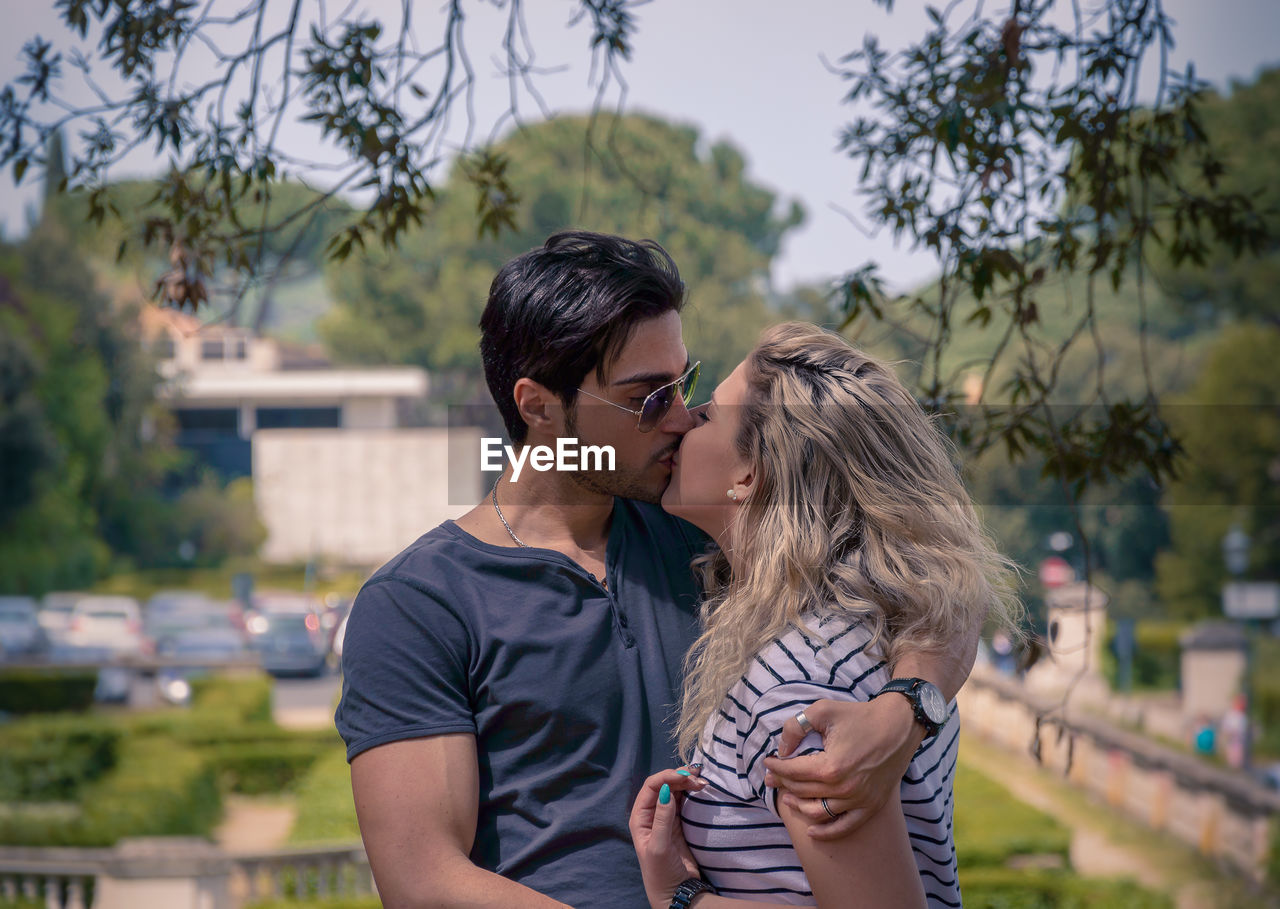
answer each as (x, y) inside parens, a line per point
(664, 794)
(683, 772)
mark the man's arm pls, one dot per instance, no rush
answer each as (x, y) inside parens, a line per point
(417, 802)
(868, 745)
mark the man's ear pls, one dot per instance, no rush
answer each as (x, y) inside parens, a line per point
(541, 409)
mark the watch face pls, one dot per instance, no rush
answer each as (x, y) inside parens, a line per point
(935, 708)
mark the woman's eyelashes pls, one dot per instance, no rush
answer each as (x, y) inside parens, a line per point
(701, 414)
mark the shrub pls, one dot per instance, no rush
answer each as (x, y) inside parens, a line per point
(1157, 655)
(256, 768)
(326, 812)
(245, 697)
(50, 758)
(991, 826)
(351, 902)
(27, 691)
(1006, 888)
(158, 788)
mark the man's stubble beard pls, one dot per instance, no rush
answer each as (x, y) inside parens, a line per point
(625, 483)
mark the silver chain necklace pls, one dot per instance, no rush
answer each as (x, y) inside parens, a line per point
(493, 496)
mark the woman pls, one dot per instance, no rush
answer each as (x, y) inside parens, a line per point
(845, 537)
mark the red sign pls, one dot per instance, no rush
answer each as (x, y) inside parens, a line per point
(1054, 572)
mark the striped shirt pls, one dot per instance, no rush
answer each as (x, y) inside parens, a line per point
(732, 826)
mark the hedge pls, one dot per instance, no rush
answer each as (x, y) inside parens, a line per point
(1006, 888)
(326, 811)
(50, 758)
(158, 788)
(28, 691)
(1157, 655)
(257, 768)
(355, 902)
(247, 697)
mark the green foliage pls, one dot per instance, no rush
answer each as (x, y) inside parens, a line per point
(991, 826)
(157, 788)
(1241, 126)
(49, 758)
(1004, 888)
(1231, 433)
(420, 302)
(326, 812)
(262, 767)
(24, 691)
(1157, 655)
(246, 699)
(354, 902)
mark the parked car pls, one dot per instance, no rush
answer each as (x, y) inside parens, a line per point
(285, 631)
(55, 613)
(112, 622)
(20, 632)
(202, 646)
(174, 614)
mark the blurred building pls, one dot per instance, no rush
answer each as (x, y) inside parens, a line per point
(336, 472)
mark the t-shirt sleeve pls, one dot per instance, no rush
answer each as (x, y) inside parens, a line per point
(763, 727)
(404, 665)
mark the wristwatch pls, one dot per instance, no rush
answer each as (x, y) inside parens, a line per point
(927, 702)
(689, 889)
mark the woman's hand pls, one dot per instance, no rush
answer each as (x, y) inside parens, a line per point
(658, 837)
(868, 746)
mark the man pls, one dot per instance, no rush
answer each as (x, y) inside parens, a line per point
(509, 676)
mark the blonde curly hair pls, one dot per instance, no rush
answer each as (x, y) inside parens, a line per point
(857, 508)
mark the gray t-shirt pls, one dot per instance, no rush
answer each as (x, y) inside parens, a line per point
(569, 688)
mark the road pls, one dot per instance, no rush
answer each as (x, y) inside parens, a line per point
(306, 703)
(296, 703)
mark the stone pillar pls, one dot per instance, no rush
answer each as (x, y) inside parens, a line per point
(1213, 664)
(165, 873)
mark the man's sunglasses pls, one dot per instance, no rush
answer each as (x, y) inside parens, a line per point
(659, 402)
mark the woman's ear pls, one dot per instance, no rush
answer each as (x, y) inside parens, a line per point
(742, 484)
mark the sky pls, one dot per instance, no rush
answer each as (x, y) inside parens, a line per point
(753, 72)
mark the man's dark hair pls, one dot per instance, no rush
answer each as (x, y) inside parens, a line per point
(559, 311)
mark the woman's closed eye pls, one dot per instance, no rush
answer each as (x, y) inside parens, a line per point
(701, 413)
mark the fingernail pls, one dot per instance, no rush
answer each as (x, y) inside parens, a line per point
(696, 765)
(664, 794)
(683, 772)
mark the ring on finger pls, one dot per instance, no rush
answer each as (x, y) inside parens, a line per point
(805, 726)
(827, 809)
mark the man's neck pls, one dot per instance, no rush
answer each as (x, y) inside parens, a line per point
(550, 510)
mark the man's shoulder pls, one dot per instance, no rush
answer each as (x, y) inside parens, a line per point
(423, 559)
(666, 530)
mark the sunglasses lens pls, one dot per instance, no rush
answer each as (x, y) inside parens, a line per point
(691, 383)
(656, 407)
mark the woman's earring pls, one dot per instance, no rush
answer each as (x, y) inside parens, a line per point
(733, 494)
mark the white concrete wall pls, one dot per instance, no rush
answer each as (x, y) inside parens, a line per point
(369, 413)
(358, 497)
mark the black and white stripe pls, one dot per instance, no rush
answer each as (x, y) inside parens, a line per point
(733, 827)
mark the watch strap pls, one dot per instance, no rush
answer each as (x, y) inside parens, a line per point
(910, 689)
(688, 890)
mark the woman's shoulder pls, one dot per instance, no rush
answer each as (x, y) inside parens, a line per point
(828, 651)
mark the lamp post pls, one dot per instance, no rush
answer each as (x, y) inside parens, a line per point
(1235, 553)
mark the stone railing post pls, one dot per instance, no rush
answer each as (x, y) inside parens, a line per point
(164, 873)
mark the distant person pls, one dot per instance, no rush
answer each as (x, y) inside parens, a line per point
(510, 678)
(845, 539)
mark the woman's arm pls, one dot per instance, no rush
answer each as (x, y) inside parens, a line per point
(872, 866)
(867, 745)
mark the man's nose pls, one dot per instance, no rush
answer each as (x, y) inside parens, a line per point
(678, 420)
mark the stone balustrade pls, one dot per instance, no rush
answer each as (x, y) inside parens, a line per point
(180, 873)
(1222, 813)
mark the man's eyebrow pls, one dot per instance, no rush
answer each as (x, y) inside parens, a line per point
(655, 378)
